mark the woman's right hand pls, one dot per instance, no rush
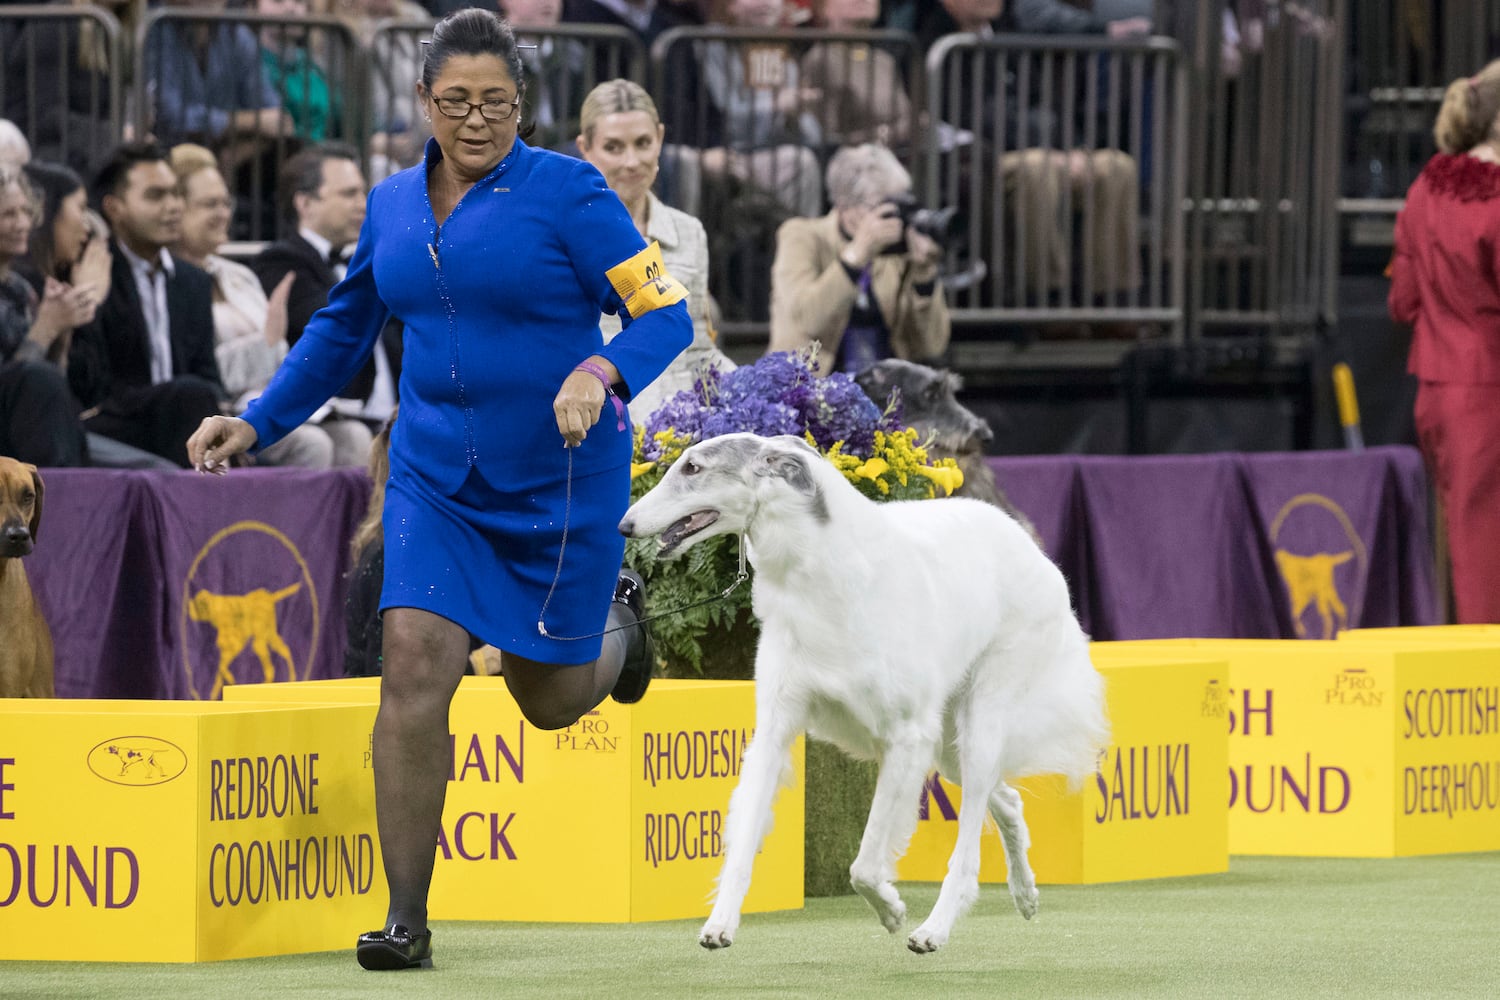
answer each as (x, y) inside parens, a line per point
(62, 308)
(276, 309)
(216, 441)
(93, 267)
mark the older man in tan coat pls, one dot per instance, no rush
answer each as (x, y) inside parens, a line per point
(859, 281)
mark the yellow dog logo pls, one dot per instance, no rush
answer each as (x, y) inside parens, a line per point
(243, 616)
(1312, 579)
(241, 620)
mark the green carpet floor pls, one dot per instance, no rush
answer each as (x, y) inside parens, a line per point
(1268, 929)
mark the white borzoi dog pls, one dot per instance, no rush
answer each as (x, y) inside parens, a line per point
(921, 634)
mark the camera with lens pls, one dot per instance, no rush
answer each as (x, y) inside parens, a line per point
(934, 223)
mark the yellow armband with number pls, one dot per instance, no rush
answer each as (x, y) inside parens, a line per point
(643, 283)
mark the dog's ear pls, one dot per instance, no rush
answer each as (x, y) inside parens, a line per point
(777, 464)
(876, 383)
(36, 507)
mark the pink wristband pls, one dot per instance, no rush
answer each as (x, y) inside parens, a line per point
(599, 373)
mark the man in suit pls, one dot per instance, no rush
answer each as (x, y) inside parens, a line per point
(321, 191)
(145, 367)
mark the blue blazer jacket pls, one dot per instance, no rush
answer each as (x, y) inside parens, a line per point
(499, 304)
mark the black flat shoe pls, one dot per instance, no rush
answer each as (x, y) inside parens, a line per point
(635, 674)
(394, 948)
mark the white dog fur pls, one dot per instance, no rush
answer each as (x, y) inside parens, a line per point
(924, 634)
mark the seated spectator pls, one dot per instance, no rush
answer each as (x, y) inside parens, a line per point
(555, 72)
(322, 194)
(858, 281)
(864, 96)
(249, 328)
(145, 366)
(621, 135)
(15, 151)
(747, 115)
(646, 19)
(38, 414)
(294, 73)
(208, 85)
(1042, 181)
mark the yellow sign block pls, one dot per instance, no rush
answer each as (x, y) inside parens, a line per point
(1154, 809)
(618, 818)
(1358, 748)
(150, 831)
(1429, 635)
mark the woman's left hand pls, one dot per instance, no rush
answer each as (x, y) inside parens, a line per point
(577, 406)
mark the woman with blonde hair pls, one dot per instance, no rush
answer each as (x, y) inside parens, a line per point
(621, 134)
(249, 328)
(1444, 282)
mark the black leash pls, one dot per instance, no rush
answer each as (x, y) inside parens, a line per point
(740, 577)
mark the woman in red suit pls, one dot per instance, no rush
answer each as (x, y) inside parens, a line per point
(1446, 282)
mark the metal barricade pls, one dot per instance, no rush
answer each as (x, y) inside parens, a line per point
(1065, 156)
(1263, 175)
(1402, 55)
(253, 88)
(63, 80)
(751, 119)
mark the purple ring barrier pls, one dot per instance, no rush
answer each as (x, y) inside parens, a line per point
(151, 580)
(168, 585)
(1263, 545)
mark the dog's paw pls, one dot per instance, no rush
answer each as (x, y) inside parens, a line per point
(715, 935)
(892, 915)
(925, 939)
(888, 905)
(1028, 900)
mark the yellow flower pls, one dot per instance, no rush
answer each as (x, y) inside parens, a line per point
(638, 469)
(873, 469)
(948, 476)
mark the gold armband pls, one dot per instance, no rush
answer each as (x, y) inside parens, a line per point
(643, 283)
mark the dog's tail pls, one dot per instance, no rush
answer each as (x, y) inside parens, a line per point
(1065, 727)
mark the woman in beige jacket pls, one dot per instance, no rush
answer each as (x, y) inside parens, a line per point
(859, 281)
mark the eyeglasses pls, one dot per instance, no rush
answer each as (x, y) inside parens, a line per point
(490, 111)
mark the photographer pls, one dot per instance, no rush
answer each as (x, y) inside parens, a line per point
(860, 280)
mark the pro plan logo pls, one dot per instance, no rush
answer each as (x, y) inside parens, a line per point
(1317, 548)
(137, 760)
(1354, 686)
(1215, 703)
(249, 611)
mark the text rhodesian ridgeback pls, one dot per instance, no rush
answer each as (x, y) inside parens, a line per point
(25, 641)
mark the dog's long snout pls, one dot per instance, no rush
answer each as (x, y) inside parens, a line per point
(16, 533)
(982, 431)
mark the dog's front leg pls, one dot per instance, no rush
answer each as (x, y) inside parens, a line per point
(766, 759)
(893, 819)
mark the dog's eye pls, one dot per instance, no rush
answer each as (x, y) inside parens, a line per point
(690, 468)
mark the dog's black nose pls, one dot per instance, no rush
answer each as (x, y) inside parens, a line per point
(16, 534)
(627, 528)
(983, 432)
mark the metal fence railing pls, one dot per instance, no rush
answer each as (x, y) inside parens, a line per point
(752, 118)
(1263, 165)
(62, 80)
(251, 87)
(1152, 182)
(1065, 155)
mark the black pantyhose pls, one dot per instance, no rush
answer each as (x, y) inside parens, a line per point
(424, 659)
